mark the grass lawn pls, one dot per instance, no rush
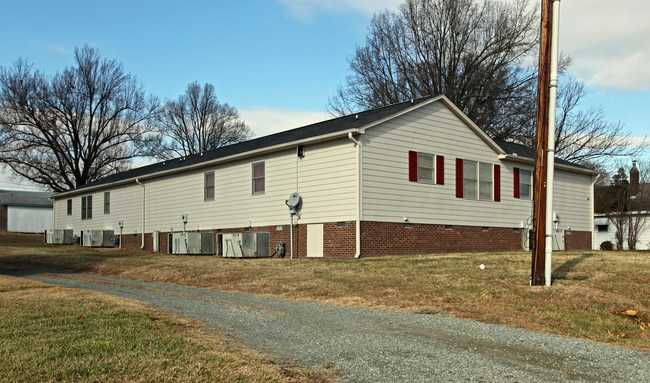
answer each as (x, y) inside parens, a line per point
(54, 334)
(590, 293)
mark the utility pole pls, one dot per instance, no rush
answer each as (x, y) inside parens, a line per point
(541, 159)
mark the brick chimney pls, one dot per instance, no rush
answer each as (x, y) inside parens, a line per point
(634, 180)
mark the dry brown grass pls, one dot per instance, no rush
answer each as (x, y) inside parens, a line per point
(53, 333)
(590, 289)
(19, 239)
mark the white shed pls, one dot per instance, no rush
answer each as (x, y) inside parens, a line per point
(604, 230)
(25, 211)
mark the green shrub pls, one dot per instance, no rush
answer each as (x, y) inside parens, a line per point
(607, 246)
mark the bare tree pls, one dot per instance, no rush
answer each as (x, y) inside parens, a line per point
(628, 205)
(639, 203)
(582, 135)
(197, 122)
(478, 53)
(75, 127)
(471, 51)
(620, 206)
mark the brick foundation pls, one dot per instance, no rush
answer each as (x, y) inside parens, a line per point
(382, 238)
(577, 240)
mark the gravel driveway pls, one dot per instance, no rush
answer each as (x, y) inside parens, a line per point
(375, 345)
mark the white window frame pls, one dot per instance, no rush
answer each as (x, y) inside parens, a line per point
(523, 184)
(208, 188)
(254, 179)
(473, 183)
(422, 169)
(86, 207)
(107, 202)
(483, 184)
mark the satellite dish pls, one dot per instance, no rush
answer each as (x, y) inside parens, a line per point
(294, 200)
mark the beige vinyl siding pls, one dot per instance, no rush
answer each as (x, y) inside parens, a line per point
(125, 205)
(325, 178)
(572, 200)
(388, 196)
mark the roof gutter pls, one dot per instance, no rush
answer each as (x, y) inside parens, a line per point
(137, 181)
(357, 145)
(526, 160)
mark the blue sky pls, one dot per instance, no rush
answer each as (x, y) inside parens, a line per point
(278, 61)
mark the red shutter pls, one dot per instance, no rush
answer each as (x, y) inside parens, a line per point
(413, 166)
(459, 178)
(440, 170)
(516, 182)
(497, 183)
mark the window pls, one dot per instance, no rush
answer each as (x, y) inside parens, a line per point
(484, 181)
(523, 183)
(258, 178)
(87, 207)
(469, 179)
(208, 186)
(69, 207)
(107, 202)
(426, 168)
(602, 228)
(478, 180)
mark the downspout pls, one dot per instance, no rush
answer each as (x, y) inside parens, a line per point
(54, 212)
(551, 141)
(137, 181)
(357, 144)
(593, 210)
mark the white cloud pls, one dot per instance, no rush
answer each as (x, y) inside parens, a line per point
(53, 48)
(265, 121)
(305, 9)
(8, 181)
(609, 41)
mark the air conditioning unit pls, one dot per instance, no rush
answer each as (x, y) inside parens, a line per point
(191, 243)
(207, 243)
(59, 237)
(245, 245)
(109, 238)
(231, 244)
(97, 238)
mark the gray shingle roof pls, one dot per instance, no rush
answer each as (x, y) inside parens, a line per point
(524, 151)
(25, 198)
(340, 124)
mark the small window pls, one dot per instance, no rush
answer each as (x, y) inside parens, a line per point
(426, 168)
(259, 185)
(69, 207)
(87, 207)
(107, 202)
(525, 183)
(603, 228)
(208, 186)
